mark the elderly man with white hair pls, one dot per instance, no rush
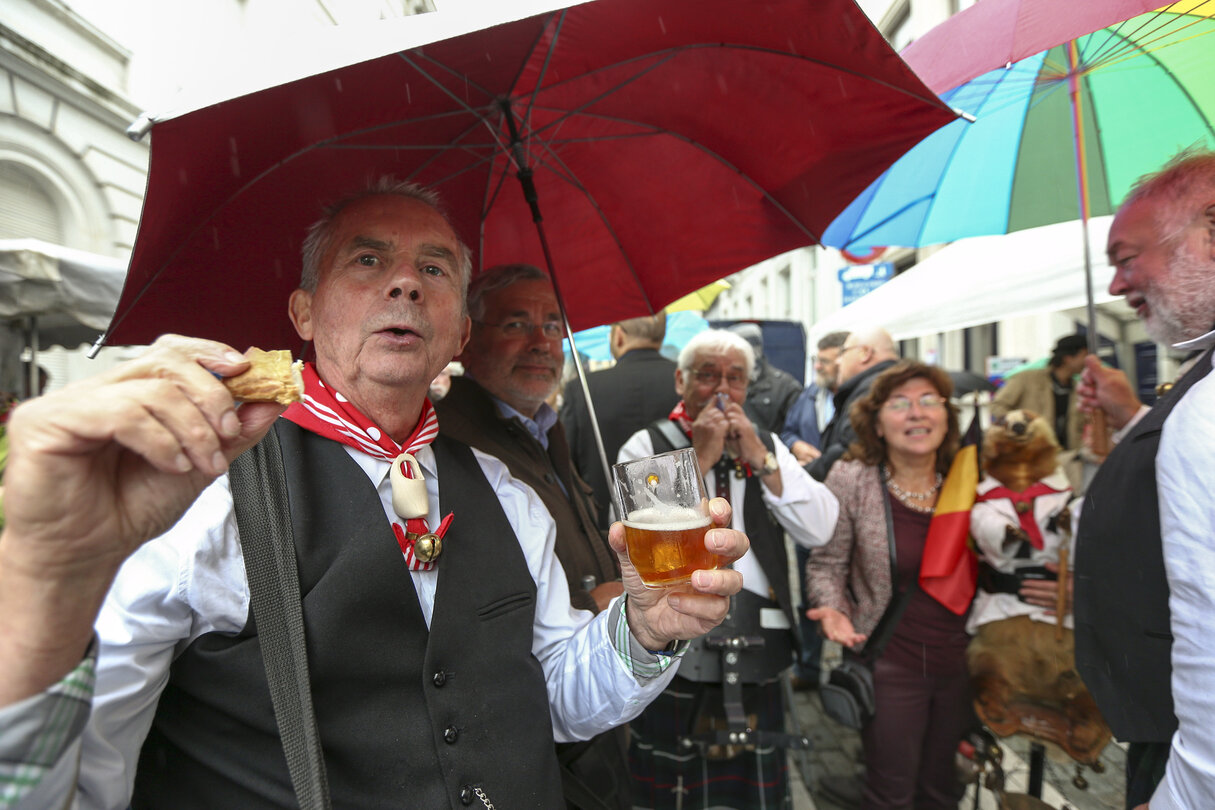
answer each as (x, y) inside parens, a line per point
(772, 495)
(866, 353)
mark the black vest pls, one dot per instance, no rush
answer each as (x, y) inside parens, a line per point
(1123, 640)
(407, 717)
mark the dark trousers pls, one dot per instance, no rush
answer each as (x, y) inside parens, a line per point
(1144, 769)
(912, 741)
(807, 666)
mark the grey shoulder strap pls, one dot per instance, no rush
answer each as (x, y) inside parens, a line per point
(668, 433)
(263, 517)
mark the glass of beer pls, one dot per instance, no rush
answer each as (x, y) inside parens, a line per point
(665, 513)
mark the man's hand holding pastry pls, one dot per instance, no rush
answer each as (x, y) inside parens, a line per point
(95, 470)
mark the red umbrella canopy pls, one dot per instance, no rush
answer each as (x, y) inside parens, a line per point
(672, 142)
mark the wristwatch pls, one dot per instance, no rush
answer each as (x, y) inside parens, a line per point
(770, 466)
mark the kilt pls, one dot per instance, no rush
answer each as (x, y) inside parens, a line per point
(666, 776)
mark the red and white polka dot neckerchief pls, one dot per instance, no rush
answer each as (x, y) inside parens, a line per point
(327, 413)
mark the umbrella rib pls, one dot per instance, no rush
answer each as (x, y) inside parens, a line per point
(490, 196)
(548, 58)
(653, 130)
(1117, 42)
(930, 197)
(572, 178)
(670, 53)
(459, 101)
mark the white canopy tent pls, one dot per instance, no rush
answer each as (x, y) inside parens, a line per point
(52, 295)
(986, 279)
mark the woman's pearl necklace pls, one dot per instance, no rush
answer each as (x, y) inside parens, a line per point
(913, 500)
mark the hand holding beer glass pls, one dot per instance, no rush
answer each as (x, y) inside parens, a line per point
(665, 512)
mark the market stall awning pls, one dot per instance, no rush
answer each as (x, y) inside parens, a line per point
(985, 279)
(72, 293)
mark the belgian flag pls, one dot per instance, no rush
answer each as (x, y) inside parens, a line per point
(949, 569)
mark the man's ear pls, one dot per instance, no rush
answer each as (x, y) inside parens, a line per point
(679, 381)
(299, 308)
(465, 334)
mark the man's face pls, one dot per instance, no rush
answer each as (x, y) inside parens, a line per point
(1074, 364)
(388, 312)
(712, 373)
(1169, 283)
(519, 365)
(851, 361)
(826, 370)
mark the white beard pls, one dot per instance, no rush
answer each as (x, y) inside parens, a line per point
(1184, 307)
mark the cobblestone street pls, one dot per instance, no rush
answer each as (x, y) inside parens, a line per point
(836, 752)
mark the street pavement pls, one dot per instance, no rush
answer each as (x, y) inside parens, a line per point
(837, 751)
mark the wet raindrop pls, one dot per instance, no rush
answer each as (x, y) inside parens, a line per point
(337, 84)
(661, 25)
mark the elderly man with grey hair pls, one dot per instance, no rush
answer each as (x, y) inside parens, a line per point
(442, 654)
(866, 353)
(772, 495)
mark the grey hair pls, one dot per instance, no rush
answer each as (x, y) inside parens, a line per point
(832, 340)
(717, 341)
(1186, 181)
(499, 277)
(320, 232)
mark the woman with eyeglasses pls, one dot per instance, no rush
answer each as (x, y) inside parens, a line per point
(887, 486)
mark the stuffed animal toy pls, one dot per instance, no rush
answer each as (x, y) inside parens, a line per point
(1022, 660)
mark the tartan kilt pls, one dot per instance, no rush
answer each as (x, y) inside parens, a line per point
(666, 776)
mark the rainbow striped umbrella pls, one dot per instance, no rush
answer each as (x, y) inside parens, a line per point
(1118, 102)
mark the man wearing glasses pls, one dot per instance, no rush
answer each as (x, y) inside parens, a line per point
(512, 364)
(772, 495)
(865, 354)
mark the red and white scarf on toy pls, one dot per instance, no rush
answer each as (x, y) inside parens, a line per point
(1023, 504)
(327, 413)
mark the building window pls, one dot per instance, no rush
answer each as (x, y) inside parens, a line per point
(26, 209)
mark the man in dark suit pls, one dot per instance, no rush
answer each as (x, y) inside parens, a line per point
(512, 364)
(772, 390)
(628, 396)
(865, 354)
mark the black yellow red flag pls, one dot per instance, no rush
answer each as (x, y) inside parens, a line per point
(949, 569)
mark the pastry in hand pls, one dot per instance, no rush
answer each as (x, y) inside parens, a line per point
(271, 377)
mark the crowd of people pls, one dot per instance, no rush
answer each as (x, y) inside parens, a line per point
(464, 624)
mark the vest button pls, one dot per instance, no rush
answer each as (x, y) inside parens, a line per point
(439, 678)
(466, 795)
(450, 735)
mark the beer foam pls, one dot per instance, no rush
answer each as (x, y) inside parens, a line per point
(666, 518)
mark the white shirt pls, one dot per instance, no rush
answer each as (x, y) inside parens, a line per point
(1185, 480)
(191, 581)
(806, 509)
(988, 520)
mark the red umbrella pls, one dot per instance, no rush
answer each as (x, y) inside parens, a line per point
(671, 142)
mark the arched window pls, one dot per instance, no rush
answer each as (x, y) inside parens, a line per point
(26, 209)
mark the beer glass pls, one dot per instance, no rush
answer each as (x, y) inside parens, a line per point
(665, 512)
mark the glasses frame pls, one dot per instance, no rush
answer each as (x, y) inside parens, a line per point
(926, 402)
(705, 377)
(552, 330)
